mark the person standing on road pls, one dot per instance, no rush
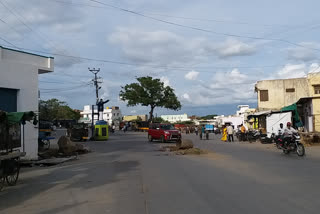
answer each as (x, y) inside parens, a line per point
(243, 133)
(196, 130)
(224, 134)
(207, 134)
(202, 132)
(230, 133)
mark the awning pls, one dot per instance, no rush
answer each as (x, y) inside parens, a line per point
(294, 109)
(305, 99)
(257, 114)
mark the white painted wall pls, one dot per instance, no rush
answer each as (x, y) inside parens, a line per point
(274, 120)
(175, 118)
(20, 71)
(109, 115)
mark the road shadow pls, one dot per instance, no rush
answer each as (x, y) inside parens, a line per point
(95, 171)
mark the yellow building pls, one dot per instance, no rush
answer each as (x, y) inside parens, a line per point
(129, 118)
(276, 94)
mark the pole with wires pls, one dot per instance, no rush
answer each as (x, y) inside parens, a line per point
(96, 82)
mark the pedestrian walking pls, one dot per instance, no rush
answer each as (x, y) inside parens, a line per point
(224, 134)
(230, 133)
(207, 134)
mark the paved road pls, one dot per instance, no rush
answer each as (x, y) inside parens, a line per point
(129, 175)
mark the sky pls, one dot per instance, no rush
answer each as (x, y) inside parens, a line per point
(211, 52)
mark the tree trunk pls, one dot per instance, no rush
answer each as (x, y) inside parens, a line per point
(151, 114)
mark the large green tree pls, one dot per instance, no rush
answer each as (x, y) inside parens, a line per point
(54, 109)
(150, 92)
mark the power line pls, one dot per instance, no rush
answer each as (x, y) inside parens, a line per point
(182, 17)
(63, 89)
(200, 29)
(3, 39)
(148, 65)
(20, 19)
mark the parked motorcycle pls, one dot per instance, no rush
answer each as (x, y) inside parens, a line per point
(253, 135)
(291, 145)
(264, 139)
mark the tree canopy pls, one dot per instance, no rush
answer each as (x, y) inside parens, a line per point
(54, 109)
(208, 117)
(150, 92)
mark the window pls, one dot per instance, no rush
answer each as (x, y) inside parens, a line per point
(8, 99)
(114, 114)
(290, 90)
(316, 89)
(117, 114)
(264, 95)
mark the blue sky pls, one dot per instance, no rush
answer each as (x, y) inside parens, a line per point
(212, 56)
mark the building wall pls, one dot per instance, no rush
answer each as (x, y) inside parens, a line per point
(135, 117)
(20, 71)
(109, 115)
(316, 113)
(314, 79)
(278, 97)
(175, 118)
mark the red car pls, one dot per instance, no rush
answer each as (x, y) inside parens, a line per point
(163, 132)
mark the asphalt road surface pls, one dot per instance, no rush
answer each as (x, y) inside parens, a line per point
(128, 175)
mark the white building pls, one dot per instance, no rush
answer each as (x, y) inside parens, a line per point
(111, 115)
(19, 88)
(175, 118)
(242, 109)
(236, 120)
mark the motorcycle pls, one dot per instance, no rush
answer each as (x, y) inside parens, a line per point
(264, 139)
(291, 145)
(253, 135)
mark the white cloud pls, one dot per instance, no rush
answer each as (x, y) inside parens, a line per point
(192, 75)
(314, 68)
(292, 71)
(223, 88)
(169, 49)
(303, 54)
(186, 96)
(157, 47)
(232, 47)
(165, 81)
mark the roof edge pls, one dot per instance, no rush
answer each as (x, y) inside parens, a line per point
(25, 52)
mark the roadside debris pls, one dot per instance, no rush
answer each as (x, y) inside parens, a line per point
(66, 146)
(67, 151)
(48, 162)
(310, 139)
(184, 144)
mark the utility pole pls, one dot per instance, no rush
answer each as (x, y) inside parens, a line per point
(96, 82)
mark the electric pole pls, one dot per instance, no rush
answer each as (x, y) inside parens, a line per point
(95, 81)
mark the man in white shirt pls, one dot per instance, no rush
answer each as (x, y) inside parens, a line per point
(230, 133)
(288, 133)
(280, 130)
